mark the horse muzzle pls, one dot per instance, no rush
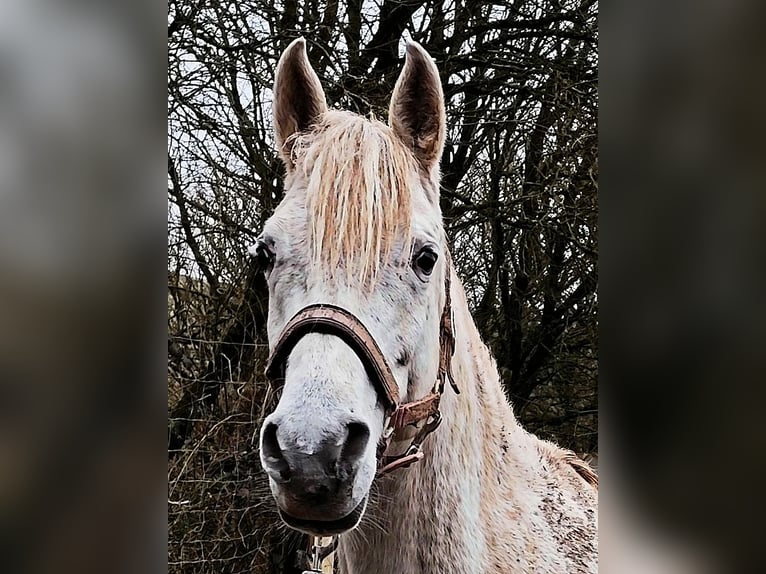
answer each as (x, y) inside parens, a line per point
(314, 485)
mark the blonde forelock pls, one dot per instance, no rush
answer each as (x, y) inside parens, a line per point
(358, 192)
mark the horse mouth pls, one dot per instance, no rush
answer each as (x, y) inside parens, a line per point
(326, 527)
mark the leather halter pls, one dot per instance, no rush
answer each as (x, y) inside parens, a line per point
(333, 320)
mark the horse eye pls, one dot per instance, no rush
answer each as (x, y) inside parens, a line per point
(264, 256)
(425, 261)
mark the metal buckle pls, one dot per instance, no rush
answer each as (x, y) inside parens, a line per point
(316, 561)
(432, 423)
(389, 429)
(413, 453)
(319, 553)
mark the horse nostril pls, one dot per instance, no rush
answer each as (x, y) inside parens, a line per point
(356, 442)
(272, 454)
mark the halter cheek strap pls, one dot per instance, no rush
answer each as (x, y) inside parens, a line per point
(333, 320)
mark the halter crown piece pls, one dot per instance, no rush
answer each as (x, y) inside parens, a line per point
(332, 320)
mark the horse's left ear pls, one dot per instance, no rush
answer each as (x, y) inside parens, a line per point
(299, 100)
(417, 112)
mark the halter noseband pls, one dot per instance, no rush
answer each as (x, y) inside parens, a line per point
(332, 320)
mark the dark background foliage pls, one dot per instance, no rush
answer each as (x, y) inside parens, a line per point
(519, 197)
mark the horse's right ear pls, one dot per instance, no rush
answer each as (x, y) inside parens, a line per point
(299, 100)
(416, 113)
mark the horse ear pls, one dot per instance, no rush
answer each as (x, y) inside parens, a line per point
(299, 100)
(417, 112)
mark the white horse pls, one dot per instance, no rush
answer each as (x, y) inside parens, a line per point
(360, 230)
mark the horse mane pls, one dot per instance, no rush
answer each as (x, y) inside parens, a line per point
(358, 192)
(582, 468)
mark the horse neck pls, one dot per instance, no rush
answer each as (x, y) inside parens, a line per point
(432, 516)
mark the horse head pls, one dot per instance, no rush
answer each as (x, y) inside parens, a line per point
(359, 229)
